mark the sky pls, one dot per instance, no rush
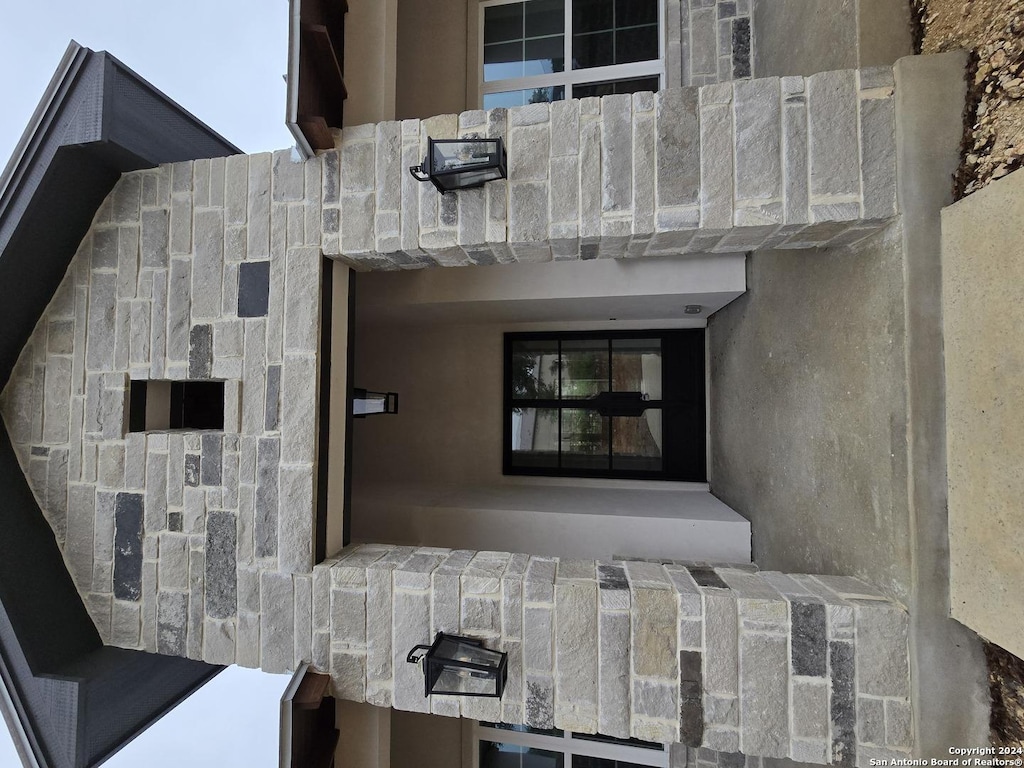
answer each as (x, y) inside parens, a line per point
(223, 61)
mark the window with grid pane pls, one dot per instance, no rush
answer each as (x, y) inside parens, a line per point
(548, 50)
(606, 404)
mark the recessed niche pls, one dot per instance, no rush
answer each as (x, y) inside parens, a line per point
(162, 405)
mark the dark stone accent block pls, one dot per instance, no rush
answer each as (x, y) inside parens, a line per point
(268, 460)
(212, 460)
(540, 705)
(706, 577)
(200, 352)
(810, 644)
(726, 10)
(221, 564)
(253, 288)
(40, 450)
(482, 258)
(104, 248)
(691, 692)
(731, 760)
(128, 514)
(172, 623)
(843, 708)
(174, 522)
(331, 221)
(741, 47)
(612, 577)
(192, 470)
(588, 251)
(273, 412)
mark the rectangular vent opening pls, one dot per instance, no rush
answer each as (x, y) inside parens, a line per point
(184, 405)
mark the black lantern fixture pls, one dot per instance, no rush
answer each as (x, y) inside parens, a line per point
(453, 164)
(460, 666)
(366, 403)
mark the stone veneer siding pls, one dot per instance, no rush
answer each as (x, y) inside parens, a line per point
(166, 534)
(788, 162)
(199, 544)
(708, 41)
(814, 668)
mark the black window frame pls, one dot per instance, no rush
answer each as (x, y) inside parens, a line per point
(683, 406)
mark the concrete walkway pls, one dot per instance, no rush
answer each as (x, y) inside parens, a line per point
(827, 411)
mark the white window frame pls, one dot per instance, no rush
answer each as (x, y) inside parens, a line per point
(567, 745)
(570, 77)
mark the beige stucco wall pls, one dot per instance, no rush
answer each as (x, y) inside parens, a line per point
(983, 314)
(425, 741)
(432, 474)
(432, 58)
(365, 735)
(371, 55)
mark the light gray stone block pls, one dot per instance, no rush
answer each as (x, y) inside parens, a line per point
(764, 672)
(870, 721)
(528, 212)
(576, 656)
(529, 152)
(180, 225)
(219, 642)
(295, 525)
(703, 37)
(277, 624)
(208, 264)
(565, 128)
(614, 675)
(80, 532)
(357, 222)
(878, 157)
(348, 673)
(102, 308)
(298, 409)
(616, 153)
(303, 586)
(810, 708)
(480, 616)
(882, 657)
(411, 627)
(196, 616)
(590, 175)
(832, 129)
(512, 607)
(288, 177)
(758, 115)
(301, 311)
(678, 155)
(126, 624)
(538, 639)
(716, 166)
(899, 726)
(173, 564)
(655, 699)
(258, 206)
(721, 668)
(236, 189)
(172, 623)
(816, 751)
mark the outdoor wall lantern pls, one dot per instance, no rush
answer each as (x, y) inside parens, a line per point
(366, 403)
(460, 666)
(453, 164)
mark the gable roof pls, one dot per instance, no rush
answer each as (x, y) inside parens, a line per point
(69, 701)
